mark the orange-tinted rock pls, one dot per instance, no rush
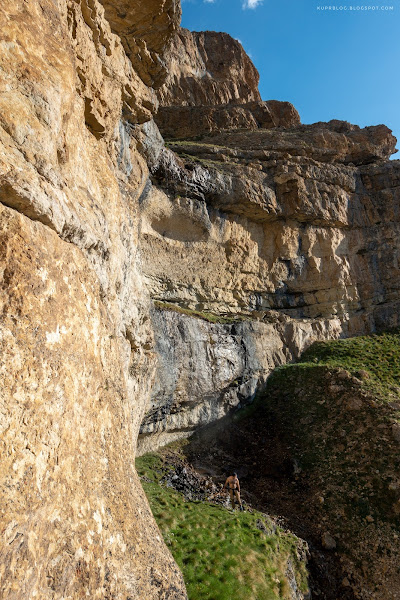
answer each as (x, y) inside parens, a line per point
(74, 520)
(146, 30)
(208, 68)
(332, 142)
(77, 358)
(185, 122)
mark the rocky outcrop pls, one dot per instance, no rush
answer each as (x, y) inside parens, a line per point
(208, 68)
(191, 122)
(76, 342)
(212, 85)
(146, 30)
(207, 369)
(252, 214)
(264, 234)
(269, 232)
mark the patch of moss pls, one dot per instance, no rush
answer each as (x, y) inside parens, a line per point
(205, 162)
(209, 317)
(184, 143)
(222, 554)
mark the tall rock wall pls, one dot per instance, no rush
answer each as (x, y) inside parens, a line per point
(289, 230)
(208, 68)
(254, 234)
(76, 343)
(205, 370)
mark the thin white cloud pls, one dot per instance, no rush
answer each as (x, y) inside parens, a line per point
(251, 3)
(209, 1)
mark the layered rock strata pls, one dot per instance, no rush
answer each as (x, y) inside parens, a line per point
(76, 343)
(289, 230)
(252, 215)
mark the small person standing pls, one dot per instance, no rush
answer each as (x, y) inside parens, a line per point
(233, 485)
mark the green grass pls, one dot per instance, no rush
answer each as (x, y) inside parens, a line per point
(193, 142)
(182, 148)
(335, 415)
(348, 452)
(222, 554)
(205, 316)
(379, 355)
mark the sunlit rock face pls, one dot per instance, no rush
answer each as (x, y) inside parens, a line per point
(252, 215)
(289, 230)
(212, 85)
(208, 68)
(147, 30)
(77, 358)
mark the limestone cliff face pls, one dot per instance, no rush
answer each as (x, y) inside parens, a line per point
(289, 230)
(76, 343)
(146, 30)
(212, 85)
(204, 370)
(252, 215)
(208, 68)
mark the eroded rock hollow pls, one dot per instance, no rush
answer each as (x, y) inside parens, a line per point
(151, 284)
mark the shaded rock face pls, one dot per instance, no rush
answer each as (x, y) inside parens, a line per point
(207, 369)
(76, 342)
(190, 122)
(250, 213)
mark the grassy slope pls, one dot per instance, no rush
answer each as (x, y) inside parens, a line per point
(379, 355)
(336, 410)
(222, 555)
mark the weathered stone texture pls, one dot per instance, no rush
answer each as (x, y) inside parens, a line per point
(281, 234)
(212, 85)
(207, 369)
(251, 213)
(181, 122)
(208, 68)
(146, 30)
(77, 356)
(73, 517)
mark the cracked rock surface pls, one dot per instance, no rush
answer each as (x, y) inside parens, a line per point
(289, 229)
(76, 343)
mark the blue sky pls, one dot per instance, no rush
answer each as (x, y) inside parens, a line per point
(339, 64)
